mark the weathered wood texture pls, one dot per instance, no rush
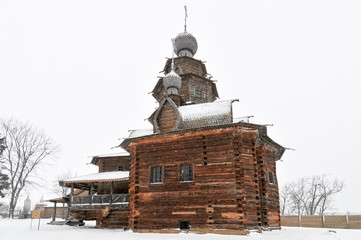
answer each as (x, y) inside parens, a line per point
(188, 89)
(312, 221)
(291, 221)
(187, 65)
(193, 74)
(109, 164)
(334, 221)
(119, 187)
(48, 212)
(105, 217)
(115, 219)
(269, 191)
(167, 118)
(225, 192)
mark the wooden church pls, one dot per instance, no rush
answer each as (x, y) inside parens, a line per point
(196, 169)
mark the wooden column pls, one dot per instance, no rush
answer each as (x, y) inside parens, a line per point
(54, 213)
(91, 193)
(111, 192)
(71, 193)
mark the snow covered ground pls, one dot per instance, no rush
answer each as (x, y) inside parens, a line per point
(20, 229)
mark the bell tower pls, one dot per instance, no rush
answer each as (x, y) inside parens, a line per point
(196, 85)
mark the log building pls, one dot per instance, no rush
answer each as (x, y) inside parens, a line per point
(197, 167)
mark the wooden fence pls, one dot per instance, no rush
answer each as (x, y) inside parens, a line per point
(335, 221)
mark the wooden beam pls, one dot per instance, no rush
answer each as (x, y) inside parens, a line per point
(91, 193)
(111, 192)
(54, 212)
(71, 193)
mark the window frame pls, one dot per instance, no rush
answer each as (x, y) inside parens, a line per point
(151, 174)
(198, 92)
(181, 176)
(270, 176)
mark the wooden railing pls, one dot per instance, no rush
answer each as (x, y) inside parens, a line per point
(106, 199)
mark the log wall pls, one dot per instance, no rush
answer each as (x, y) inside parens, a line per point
(109, 164)
(48, 212)
(225, 192)
(269, 191)
(188, 65)
(114, 219)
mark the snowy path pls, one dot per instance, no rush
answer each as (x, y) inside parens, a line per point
(20, 230)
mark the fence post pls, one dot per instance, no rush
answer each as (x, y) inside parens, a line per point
(323, 220)
(299, 220)
(347, 223)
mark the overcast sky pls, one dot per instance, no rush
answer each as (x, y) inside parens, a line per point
(82, 71)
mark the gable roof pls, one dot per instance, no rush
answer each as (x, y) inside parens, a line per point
(113, 152)
(206, 114)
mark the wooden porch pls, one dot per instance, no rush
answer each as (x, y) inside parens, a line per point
(90, 202)
(106, 201)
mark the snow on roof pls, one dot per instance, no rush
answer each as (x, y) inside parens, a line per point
(140, 132)
(100, 177)
(119, 154)
(206, 114)
(242, 119)
(113, 152)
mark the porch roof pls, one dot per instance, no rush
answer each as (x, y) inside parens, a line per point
(115, 176)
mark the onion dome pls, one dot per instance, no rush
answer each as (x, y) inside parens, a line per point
(185, 44)
(172, 82)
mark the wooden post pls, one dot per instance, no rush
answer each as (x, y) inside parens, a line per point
(299, 221)
(91, 193)
(54, 213)
(71, 193)
(111, 192)
(347, 223)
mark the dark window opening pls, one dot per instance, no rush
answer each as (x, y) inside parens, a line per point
(120, 168)
(198, 92)
(184, 225)
(186, 174)
(156, 174)
(271, 178)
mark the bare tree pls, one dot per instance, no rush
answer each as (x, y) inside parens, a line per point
(309, 195)
(27, 149)
(2, 144)
(62, 191)
(4, 184)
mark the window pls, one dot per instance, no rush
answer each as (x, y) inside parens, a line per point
(186, 174)
(198, 92)
(120, 168)
(184, 225)
(271, 178)
(156, 174)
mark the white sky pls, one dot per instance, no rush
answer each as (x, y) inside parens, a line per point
(82, 71)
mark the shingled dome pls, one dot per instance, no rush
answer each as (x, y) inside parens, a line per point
(185, 45)
(172, 81)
